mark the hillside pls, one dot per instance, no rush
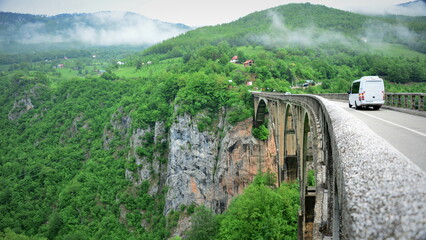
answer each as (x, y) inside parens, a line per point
(133, 148)
(306, 25)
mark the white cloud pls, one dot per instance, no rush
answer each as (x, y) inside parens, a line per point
(108, 28)
(375, 32)
(309, 36)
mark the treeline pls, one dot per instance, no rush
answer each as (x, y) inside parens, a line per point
(51, 53)
(42, 56)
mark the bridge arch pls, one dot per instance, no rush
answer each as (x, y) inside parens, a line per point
(290, 169)
(261, 110)
(307, 179)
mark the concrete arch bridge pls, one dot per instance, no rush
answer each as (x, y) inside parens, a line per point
(364, 188)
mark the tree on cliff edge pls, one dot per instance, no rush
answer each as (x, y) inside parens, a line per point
(262, 212)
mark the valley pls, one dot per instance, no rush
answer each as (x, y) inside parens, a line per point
(132, 141)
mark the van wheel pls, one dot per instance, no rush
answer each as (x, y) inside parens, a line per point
(350, 106)
(376, 107)
(356, 106)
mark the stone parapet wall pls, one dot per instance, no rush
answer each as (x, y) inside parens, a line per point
(381, 192)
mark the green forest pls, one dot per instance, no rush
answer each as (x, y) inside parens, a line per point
(67, 117)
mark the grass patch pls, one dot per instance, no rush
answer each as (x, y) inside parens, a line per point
(147, 70)
(252, 50)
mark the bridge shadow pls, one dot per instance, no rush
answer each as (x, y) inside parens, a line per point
(367, 109)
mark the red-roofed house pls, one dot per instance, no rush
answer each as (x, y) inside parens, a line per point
(248, 63)
(234, 59)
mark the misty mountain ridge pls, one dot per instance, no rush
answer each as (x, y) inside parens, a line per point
(408, 4)
(304, 24)
(412, 8)
(92, 29)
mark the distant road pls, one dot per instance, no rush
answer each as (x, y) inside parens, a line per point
(405, 132)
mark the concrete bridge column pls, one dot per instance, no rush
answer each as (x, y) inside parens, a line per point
(290, 170)
(279, 132)
(309, 188)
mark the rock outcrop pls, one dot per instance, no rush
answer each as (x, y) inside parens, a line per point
(148, 170)
(21, 106)
(241, 157)
(191, 163)
(26, 100)
(120, 124)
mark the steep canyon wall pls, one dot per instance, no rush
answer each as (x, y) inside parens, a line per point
(209, 168)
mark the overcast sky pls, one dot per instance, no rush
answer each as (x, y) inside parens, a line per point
(189, 12)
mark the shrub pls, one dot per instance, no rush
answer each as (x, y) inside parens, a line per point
(261, 132)
(204, 224)
(311, 178)
(262, 213)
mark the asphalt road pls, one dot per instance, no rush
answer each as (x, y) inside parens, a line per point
(406, 132)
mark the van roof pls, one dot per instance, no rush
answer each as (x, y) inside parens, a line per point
(371, 78)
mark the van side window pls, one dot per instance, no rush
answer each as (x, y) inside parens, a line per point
(355, 87)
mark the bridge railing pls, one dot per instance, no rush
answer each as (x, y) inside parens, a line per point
(406, 100)
(414, 101)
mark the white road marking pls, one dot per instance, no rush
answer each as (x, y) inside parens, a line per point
(386, 121)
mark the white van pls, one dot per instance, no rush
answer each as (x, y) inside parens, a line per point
(367, 92)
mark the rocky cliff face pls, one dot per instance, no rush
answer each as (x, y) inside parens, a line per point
(205, 168)
(148, 169)
(241, 157)
(192, 159)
